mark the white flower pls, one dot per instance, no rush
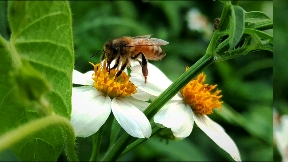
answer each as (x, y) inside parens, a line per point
(280, 131)
(93, 101)
(178, 115)
(199, 22)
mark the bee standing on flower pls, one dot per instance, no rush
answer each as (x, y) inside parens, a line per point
(125, 48)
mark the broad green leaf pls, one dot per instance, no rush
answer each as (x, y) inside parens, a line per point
(236, 25)
(41, 47)
(42, 35)
(257, 20)
(5, 69)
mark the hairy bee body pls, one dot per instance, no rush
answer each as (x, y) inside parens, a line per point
(126, 48)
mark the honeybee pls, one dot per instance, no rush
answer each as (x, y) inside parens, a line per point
(126, 48)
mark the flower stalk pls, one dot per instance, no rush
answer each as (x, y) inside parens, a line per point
(96, 144)
(137, 142)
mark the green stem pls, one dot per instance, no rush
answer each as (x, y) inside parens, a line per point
(115, 151)
(96, 144)
(115, 130)
(140, 140)
(16, 135)
(175, 87)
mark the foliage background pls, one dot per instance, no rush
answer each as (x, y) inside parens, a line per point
(246, 82)
(280, 75)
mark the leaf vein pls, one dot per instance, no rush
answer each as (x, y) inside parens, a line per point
(43, 41)
(37, 20)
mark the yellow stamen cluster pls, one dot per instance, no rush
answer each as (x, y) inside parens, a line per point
(109, 84)
(199, 96)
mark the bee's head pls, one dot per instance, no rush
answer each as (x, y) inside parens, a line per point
(111, 52)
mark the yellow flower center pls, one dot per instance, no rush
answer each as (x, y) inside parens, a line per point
(200, 96)
(109, 84)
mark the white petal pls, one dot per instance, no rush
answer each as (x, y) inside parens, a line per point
(177, 116)
(141, 105)
(218, 135)
(141, 95)
(131, 119)
(83, 88)
(85, 92)
(157, 82)
(89, 111)
(82, 79)
(134, 63)
(280, 135)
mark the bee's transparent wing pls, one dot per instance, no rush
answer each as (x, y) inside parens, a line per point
(145, 40)
(142, 37)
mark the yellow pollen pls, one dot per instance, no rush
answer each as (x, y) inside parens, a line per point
(200, 96)
(109, 84)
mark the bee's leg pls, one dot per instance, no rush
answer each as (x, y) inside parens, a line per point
(144, 67)
(143, 64)
(134, 57)
(139, 62)
(117, 63)
(108, 68)
(122, 68)
(102, 57)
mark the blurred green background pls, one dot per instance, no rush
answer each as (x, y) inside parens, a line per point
(246, 82)
(280, 74)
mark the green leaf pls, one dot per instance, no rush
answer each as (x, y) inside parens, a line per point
(261, 34)
(38, 58)
(5, 69)
(261, 40)
(252, 40)
(224, 19)
(258, 20)
(255, 16)
(236, 25)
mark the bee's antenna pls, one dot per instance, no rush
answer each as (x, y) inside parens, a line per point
(96, 53)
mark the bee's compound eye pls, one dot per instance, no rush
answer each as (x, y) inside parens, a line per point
(114, 50)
